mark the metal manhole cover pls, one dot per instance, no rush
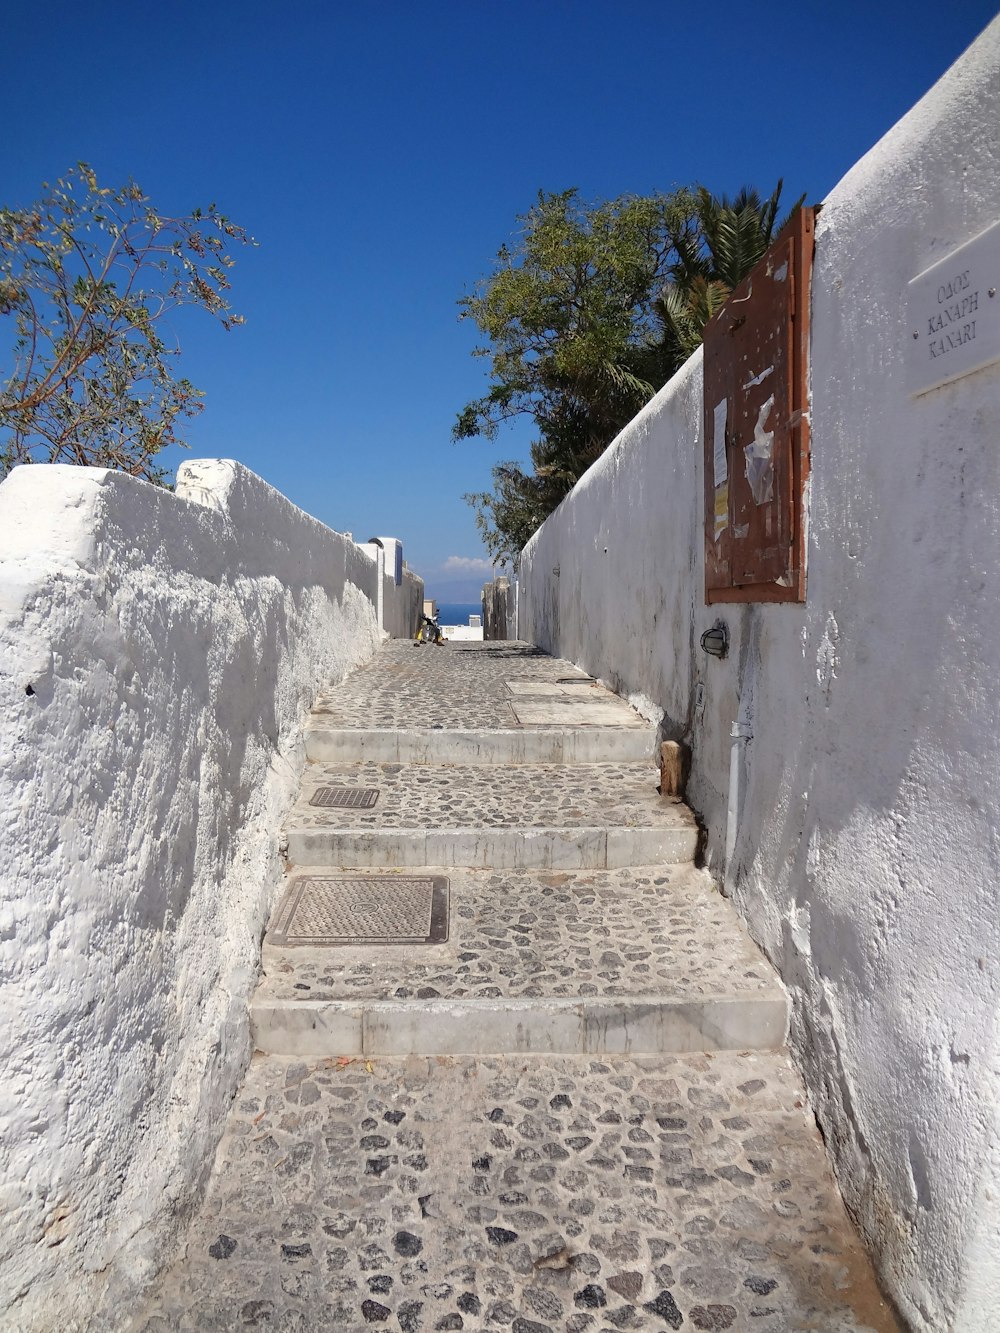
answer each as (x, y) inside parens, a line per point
(362, 909)
(345, 798)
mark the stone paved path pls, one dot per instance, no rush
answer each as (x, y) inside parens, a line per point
(602, 932)
(458, 796)
(460, 685)
(542, 1193)
(526, 1195)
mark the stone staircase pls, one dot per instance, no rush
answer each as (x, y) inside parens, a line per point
(574, 915)
(543, 1090)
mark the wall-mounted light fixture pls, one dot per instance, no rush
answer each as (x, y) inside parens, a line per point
(715, 641)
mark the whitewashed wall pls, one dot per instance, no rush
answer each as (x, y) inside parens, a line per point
(158, 655)
(399, 605)
(402, 605)
(867, 803)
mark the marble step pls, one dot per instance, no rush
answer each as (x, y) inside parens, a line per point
(511, 849)
(481, 747)
(648, 959)
(542, 815)
(475, 704)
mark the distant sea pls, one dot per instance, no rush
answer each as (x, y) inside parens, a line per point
(458, 613)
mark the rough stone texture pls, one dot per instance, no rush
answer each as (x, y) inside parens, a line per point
(867, 802)
(611, 932)
(513, 1192)
(459, 1192)
(441, 796)
(567, 1194)
(158, 655)
(454, 686)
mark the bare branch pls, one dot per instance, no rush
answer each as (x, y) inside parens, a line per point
(86, 276)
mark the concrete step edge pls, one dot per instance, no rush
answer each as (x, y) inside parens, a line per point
(584, 848)
(557, 745)
(601, 1025)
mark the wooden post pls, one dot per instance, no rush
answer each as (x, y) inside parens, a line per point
(675, 764)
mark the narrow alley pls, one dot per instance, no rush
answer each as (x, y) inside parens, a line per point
(519, 1065)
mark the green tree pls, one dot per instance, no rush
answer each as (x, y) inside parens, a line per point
(568, 314)
(586, 318)
(714, 255)
(86, 276)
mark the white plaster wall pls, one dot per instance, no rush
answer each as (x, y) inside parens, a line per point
(398, 605)
(401, 605)
(172, 646)
(867, 851)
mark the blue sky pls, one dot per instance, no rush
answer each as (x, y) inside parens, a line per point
(380, 154)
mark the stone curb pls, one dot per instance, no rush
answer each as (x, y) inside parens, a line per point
(640, 1025)
(499, 848)
(580, 745)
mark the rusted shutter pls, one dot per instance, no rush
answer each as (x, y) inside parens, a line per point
(756, 366)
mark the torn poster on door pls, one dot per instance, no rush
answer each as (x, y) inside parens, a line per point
(721, 509)
(721, 464)
(721, 469)
(758, 454)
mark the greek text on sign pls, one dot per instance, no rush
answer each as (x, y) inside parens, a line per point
(954, 314)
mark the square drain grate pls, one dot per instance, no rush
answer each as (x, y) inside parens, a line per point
(345, 798)
(362, 909)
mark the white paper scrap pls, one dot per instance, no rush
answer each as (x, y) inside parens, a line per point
(721, 463)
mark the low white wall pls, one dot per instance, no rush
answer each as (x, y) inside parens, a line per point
(867, 848)
(398, 605)
(158, 656)
(402, 605)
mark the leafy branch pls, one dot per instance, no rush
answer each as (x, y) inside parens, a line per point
(86, 276)
(586, 316)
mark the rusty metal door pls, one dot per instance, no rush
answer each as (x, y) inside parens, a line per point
(756, 427)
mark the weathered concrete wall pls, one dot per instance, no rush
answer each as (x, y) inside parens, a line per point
(500, 609)
(158, 655)
(402, 605)
(398, 604)
(866, 807)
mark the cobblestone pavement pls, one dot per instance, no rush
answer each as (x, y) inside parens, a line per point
(531, 1195)
(659, 931)
(540, 1194)
(461, 686)
(442, 796)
